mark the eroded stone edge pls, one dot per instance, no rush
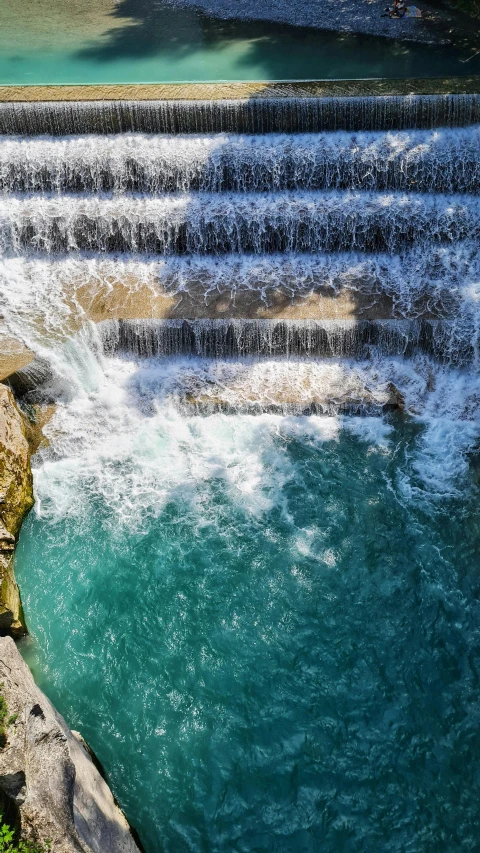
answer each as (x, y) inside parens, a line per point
(16, 499)
(49, 774)
(242, 90)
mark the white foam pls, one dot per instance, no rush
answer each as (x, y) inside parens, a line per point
(373, 430)
(128, 443)
(219, 223)
(45, 300)
(40, 306)
(429, 160)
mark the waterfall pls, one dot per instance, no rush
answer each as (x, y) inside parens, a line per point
(444, 161)
(438, 280)
(266, 338)
(219, 223)
(247, 337)
(258, 115)
(293, 233)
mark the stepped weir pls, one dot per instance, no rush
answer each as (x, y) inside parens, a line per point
(298, 227)
(254, 115)
(246, 334)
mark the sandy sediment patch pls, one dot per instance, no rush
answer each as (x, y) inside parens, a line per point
(128, 301)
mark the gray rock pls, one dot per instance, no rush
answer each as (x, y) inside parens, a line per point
(49, 773)
(342, 16)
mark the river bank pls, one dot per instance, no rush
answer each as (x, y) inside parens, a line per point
(47, 775)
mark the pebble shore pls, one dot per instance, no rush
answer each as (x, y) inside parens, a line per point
(348, 16)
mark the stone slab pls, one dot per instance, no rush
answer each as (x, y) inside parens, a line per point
(242, 91)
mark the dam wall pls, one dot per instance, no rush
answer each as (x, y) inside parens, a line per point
(256, 115)
(165, 260)
(298, 221)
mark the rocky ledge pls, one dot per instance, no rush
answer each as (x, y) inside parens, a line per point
(16, 498)
(48, 772)
(48, 776)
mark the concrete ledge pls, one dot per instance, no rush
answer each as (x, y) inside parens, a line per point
(242, 91)
(130, 300)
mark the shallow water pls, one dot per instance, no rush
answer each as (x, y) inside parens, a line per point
(139, 41)
(267, 627)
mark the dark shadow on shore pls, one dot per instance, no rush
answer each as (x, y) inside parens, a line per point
(283, 51)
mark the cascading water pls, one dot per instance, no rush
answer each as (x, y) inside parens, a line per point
(257, 115)
(424, 161)
(221, 223)
(250, 572)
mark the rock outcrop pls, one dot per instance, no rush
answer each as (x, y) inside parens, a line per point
(16, 498)
(47, 770)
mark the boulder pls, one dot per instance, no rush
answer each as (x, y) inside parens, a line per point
(48, 771)
(16, 498)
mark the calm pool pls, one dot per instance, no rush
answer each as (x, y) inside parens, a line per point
(135, 41)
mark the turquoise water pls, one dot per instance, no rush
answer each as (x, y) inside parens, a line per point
(266, 627)
(145, 42)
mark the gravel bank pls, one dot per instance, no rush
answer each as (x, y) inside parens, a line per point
(348, 16)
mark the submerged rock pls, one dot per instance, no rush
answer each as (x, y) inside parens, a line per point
(48, 772)
(16, 498)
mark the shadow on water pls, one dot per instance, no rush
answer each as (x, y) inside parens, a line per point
(281, 51)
